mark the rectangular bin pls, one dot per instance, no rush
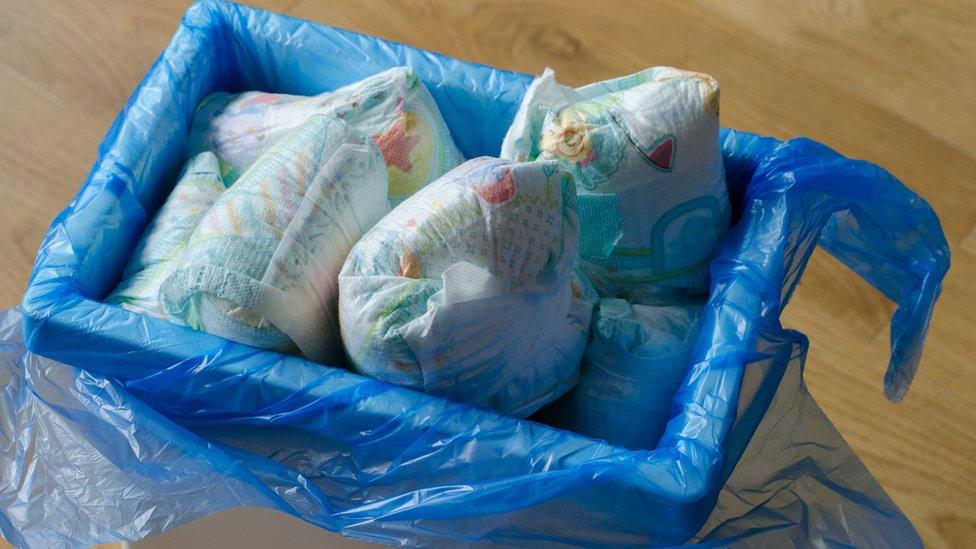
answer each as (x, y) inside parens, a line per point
(462, 472)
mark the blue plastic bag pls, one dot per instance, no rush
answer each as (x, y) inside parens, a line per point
(86, 461)
(172, 424)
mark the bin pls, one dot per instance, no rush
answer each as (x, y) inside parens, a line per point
(404, 465)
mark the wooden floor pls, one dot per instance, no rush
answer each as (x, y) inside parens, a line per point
(891, 81)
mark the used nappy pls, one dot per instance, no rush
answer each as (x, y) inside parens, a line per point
(393, 107)
(632, 367)
(465, 290)
(261, 266)
(166, 236)
(645, 155)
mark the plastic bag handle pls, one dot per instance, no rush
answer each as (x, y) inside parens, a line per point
(807, 194)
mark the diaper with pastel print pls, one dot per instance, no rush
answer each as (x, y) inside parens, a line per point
(466, 289)
(645, 155)
(636, 359)
(393, 107)
(261, 266)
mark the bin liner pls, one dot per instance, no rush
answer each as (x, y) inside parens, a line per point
(132, 425)
(86, 461)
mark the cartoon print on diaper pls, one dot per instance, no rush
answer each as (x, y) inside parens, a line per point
(570, 139)
(679, 244)
(500, 190)
(586, 136)
(661, 153)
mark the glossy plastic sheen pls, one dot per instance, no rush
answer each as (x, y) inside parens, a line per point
(391, 464)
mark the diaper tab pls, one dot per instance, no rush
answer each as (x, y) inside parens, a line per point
(466, 282)
(599, 224)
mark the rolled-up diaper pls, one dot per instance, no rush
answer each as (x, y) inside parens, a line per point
(166, 236)
(393, 107)
(261, 266)
(465, 289)
(636, 360)
(645, 155)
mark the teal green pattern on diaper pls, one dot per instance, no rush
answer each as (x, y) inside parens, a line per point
(599, 224)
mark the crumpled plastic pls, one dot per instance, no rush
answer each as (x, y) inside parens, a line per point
(149, 425)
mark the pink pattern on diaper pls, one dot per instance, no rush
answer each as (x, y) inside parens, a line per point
(500, 191)
(396, 145)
